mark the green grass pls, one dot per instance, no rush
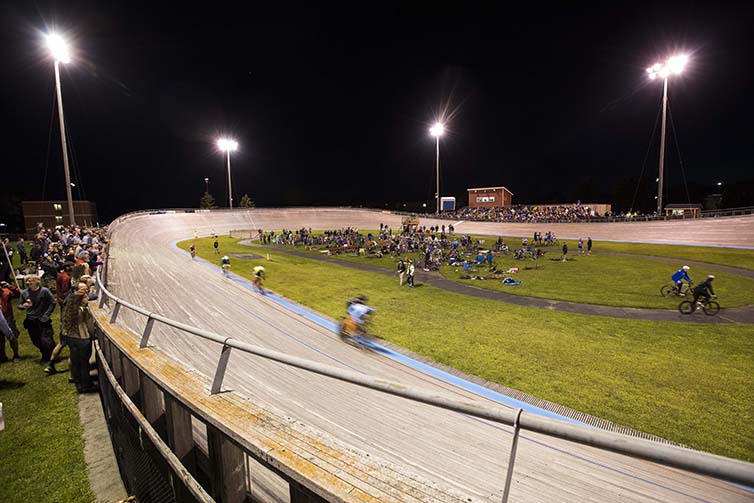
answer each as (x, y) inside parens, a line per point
(41, 449)
(594, 279)
(690, 383)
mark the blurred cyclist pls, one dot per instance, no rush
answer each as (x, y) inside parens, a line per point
(357, 316)
(703, 291)
(225, 263)
(259, 279)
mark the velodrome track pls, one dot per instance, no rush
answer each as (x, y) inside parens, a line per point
(457, 458)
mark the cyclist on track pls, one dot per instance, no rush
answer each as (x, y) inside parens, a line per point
(225, 263)
(192, 249)
(357, 316)
(259, 279)
(679, 276)
(703, 291)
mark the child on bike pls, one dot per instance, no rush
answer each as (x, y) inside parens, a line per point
(704, 291)
(679, 276)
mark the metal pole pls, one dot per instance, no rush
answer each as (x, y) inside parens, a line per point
(437, 159)
(230, 188)
(63, 143)
(206, 185)
(662, 146)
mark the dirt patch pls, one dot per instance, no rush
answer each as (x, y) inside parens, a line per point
(246, 256)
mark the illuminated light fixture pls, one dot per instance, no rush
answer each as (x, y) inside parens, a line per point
(227, 145)
(58, 48)
(437, 130)
(673, 66)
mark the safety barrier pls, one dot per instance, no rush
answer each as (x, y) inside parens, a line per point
(698, 462)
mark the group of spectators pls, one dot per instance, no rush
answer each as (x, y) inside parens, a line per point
(56, 270)
(526, 213)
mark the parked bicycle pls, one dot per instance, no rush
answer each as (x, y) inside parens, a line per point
(710, 307)
(687, 290)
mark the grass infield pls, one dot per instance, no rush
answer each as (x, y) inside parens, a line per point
(602, 279)
(690, 383)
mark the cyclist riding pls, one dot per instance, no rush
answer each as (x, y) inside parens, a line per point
(679, 277)
(704, 291)
(192, 249)
(225, 263)
(259, 278)
(357, 316)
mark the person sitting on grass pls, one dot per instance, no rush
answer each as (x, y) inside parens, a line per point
(703, 291)
(679, 277)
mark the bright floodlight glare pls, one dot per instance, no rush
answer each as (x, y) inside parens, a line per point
(437, 130)
(674, 65)
(59, 48)
(227, 145)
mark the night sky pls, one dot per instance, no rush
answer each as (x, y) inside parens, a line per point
(333, 107)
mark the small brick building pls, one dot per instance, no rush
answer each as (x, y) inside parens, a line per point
(489, 197)
(54, 213)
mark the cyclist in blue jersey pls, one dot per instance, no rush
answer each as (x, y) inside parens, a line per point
(679, 277)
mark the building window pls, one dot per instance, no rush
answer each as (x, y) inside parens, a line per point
(58, 218)
(58, 207)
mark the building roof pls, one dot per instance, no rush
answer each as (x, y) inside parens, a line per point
(490, 188)
(683, 206)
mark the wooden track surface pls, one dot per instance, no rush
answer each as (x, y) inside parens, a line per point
(445, 452)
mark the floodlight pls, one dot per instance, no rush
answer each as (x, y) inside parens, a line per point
(59, 48)
(227, 145)
(437, 130)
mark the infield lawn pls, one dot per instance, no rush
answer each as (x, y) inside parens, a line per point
(690, 383)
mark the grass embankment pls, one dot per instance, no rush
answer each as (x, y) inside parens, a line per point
(690, 383)
(598, 278)
(41, 449)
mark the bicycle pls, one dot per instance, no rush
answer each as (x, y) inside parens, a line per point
(710, 307)
(672, 289)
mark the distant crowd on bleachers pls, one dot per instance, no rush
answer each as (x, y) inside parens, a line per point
(527, 213)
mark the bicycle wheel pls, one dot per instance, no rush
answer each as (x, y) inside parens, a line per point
(686, 307)
(666, 290)
(711, 308)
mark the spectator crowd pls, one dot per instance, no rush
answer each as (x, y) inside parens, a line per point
(524, 213)
(56, 270)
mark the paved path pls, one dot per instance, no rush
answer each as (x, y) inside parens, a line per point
(734, 315)
(453, 454)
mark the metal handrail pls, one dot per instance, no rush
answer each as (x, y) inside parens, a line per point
(679, 457)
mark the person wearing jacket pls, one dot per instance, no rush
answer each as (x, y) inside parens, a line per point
(39, 303)
(680, 276)
(704, 290)
(7, 293)
(75, 316)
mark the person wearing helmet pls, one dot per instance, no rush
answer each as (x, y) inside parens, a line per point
(679, 277)
(357, 316)
(225, 264)
(259, 279)
(704, 290)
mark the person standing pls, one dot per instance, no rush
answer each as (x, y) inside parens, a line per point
(21, 248)
(411, 273)
(216, 245)
(401, 272)
(7, 293)
(565, 251)
(39, 304)
(581, 246)
(74, 327)
(588, 246)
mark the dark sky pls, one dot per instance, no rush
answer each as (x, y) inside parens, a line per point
(333, 107)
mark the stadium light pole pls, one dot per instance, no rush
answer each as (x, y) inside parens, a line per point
(673, 66)
(437, 130)
(227, 145)
(206, 185)
(60, 53)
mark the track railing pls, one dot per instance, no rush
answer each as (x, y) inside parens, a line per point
(686, 459)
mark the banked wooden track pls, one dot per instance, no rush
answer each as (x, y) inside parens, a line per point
(449, 454)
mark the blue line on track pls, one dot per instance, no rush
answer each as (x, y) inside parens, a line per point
(441, 375)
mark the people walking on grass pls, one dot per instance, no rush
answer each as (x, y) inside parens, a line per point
(411, 273)
(216, 245)
(565, 252)
(401, 272)
(588, 246)
(9, 292)
(39, 304)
